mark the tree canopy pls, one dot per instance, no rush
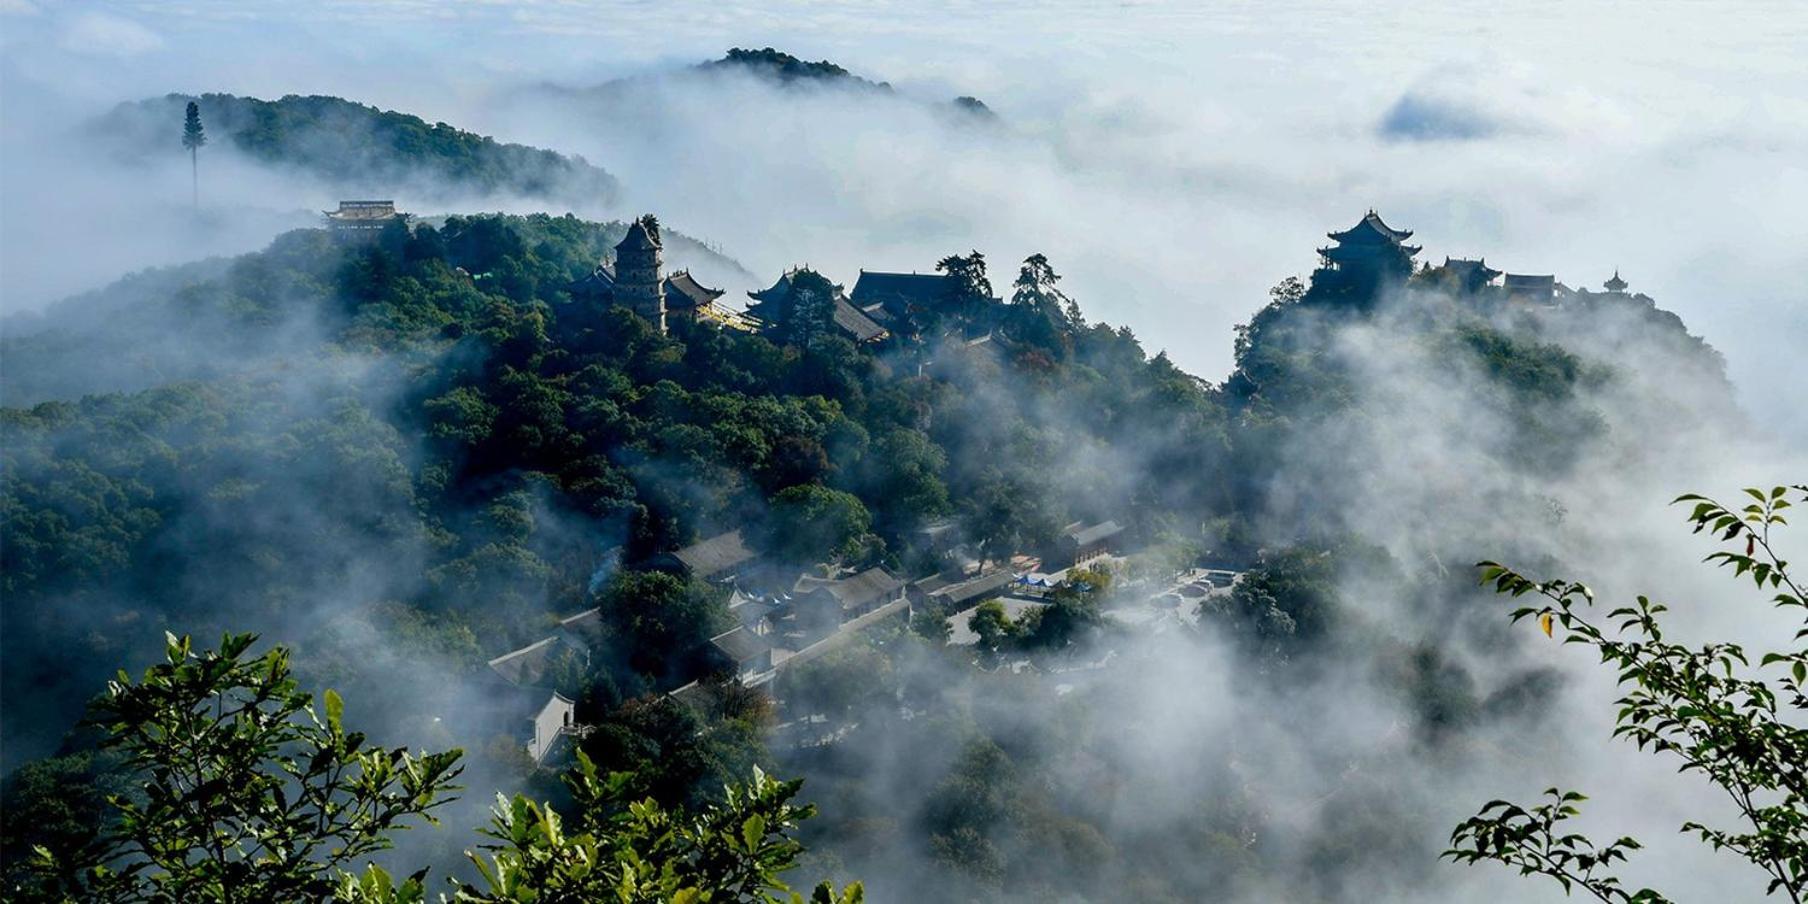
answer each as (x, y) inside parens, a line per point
(1733, 722)
(243, 790)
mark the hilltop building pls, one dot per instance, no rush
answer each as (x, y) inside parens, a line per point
(1464, 275)
(635, 281)
(685, 296)
(894, 295)
(1523, 288)
(753, 612)
(1372, 254)
(952, 591)
(841, 599)
(688, 299)
(882, 305)
(746, 654)
(597, 289)
(1491, 287)
(714, 559)
(1081, 543)
(520, 689)
(542, 721)
(362, 219)
(902, 301)
(796, 620)
(1617, 290)
(772, 305)
(1363, 258)
(638, 285)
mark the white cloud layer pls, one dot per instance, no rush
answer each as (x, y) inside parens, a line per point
(1174, 161)
(100, 34)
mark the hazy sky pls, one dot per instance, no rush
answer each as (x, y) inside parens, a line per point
(1175, 159)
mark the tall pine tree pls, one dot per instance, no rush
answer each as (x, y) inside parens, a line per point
(193, 137)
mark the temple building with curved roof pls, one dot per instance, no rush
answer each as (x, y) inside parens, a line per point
(771, 304)
(1363, 257)
(1464, 275)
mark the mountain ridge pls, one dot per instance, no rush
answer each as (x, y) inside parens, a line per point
(356, 148)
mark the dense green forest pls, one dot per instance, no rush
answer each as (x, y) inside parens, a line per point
(459, 415)
(407, 456)
(357, 149)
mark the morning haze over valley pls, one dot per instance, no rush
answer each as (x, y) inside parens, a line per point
(843, 452)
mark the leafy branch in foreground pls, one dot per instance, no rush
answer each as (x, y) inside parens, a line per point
(245, 793)
(1530, 841)
(1707, 706)
(735, 850)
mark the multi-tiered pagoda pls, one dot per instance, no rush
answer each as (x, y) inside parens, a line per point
(1366, 256)
(635, 281)
(638, 286)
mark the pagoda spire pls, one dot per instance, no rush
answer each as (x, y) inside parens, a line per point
(1616, 284)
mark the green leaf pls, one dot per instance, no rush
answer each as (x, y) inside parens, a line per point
(753, 831)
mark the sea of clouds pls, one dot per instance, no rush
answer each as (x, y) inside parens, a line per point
(1172, 162)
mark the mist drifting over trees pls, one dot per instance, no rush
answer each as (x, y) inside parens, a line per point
(1032, 478)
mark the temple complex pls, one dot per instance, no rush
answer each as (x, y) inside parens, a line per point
(1368, 256)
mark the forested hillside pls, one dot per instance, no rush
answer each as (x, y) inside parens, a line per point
(500, 437)
(407, 456)
(262, 312)
(357, 149)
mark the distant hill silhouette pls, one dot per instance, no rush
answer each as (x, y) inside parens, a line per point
(356, 147)
(783, 67)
